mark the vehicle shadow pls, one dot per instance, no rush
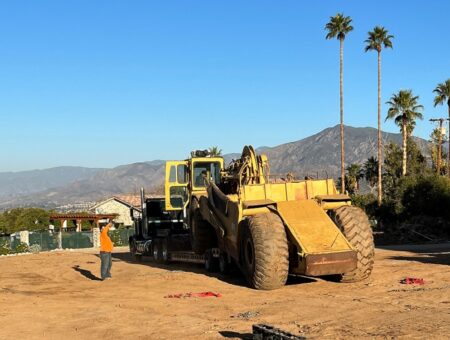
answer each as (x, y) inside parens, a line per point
(236, 335)
(428, 253)
(86, 273)
(298, 280)
(235, 277)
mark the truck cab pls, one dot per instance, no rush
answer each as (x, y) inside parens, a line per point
(153, 226)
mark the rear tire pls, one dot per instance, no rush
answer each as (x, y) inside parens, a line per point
(355, 226)
(264, 252)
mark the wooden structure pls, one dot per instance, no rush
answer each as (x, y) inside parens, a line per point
(79, 218)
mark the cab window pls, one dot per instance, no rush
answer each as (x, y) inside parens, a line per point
(203, 170)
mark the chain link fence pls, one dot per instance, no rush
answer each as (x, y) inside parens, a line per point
(45, 241)
(10, 244)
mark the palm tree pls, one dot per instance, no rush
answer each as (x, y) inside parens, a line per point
(379, 38)
(442, 91)
(404, 110)
(214, 151)
(338, 27)
(370, 170)
(354, 175)
(437, 138)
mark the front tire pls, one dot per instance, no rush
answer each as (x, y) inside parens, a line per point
(355, 226)
(264, 252)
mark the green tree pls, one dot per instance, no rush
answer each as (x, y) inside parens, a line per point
(370, 170)
(404, 110)
(427, 197)
(338, 27)
(438, 155)
(392, 177)
(379, 38)
(442, 91)
(215, 151)
(24, 219)
(353, 176)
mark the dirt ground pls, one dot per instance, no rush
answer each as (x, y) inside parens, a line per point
(57, 295)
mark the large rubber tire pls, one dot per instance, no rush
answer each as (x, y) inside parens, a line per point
(264, 252)
(355, 226)
(132, 245)
(133, 250)
(203, 235)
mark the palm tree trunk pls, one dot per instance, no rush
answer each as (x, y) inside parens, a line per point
(439, 153)
(404, 147)
(379, 130)
(448, 134)
(341, 88)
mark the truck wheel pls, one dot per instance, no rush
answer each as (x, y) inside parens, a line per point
(355, 226)
(132, 245)
(133, 250)
(224, 265)
(203, 235)
(211, 262)
(156, 250)
(164, 257)
(160, 251)
(264, 252)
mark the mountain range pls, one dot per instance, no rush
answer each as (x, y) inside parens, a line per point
(317, 155)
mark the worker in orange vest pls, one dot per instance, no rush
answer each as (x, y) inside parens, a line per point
(106, 247)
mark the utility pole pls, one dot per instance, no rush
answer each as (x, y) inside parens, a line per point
(439, 151)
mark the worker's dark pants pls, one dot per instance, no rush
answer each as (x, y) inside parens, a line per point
(105, 268)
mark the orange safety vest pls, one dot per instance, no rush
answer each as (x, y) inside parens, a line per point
(105, 242)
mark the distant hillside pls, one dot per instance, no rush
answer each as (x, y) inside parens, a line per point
(320, 153)
(317, 154)
(122, 179)
(13, 184)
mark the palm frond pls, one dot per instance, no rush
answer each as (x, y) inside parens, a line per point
(338, 26)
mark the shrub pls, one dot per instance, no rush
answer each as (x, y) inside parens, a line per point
(21, 248)
(4, 248)
(35, 248)
(429, 196)
(115, 237)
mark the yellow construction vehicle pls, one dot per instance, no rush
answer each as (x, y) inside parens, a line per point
(269, 227)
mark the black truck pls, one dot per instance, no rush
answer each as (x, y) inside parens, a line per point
(165, 237)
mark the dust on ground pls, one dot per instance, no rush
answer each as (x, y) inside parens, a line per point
(58, 295)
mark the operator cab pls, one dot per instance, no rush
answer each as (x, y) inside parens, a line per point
(203, 171)
(190, 177)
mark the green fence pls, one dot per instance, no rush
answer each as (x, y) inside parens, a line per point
(74, 240)
(44, 240)
(9, 244)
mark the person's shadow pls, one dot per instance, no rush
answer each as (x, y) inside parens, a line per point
(86, 273)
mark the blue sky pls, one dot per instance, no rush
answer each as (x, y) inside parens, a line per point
(104, 83)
